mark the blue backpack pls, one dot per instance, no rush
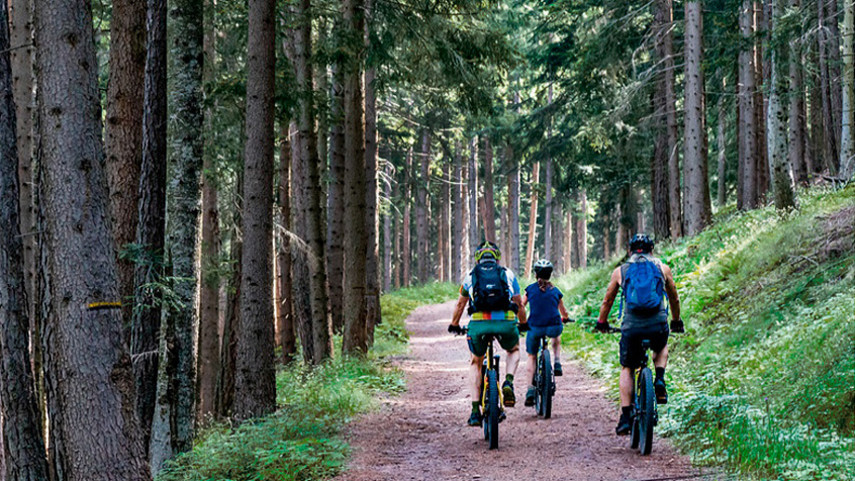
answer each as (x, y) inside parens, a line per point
(643, 287)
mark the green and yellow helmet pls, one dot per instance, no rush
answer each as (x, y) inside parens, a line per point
(487, 250)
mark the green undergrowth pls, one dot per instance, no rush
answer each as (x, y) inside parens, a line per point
(764, 381)
(302, 441)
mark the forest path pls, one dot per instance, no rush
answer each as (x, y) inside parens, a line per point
(422, 435)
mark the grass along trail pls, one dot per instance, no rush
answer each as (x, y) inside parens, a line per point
(422, 435)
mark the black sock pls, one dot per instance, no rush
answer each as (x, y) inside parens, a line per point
(509, 378)
(625, 411)
(660, 373)
(476, 407)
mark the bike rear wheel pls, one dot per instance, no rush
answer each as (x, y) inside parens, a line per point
(646, 411)
(543, 400)
(491, 418)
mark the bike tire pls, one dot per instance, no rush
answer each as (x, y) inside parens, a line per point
(492, 417)
(545, 386)
(647, 412)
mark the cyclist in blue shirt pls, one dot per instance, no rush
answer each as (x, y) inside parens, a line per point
(544, 320)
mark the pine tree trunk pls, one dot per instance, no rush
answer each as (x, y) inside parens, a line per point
(356, 185)
(443, 228)
(335, 204)
(173, 426)
(558, 250)
(747, 116)
(847, 135)
(512, 227)
(123, 132)
(580, 228)
(532, 220)
(665, 48)
(231, 319)
(761, 81)
(488, 214)
(696, 195)
(23, 455)
(209, 281)
(422, 228)
(399, 232)
(721, 141)
(571, 260)
(659, 192)
(796, 140)
(406, 249)
(93, 437)
(834, 64)
(372, 227)
(776, 121)
(387, 229)
(459, 232)
(547, 211)
(21, 34)
(472, 196)
(287, 339)
(829, 133)
(151, 221)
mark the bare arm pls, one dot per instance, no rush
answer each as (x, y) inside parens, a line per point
(562, 309)
(521, 308)
(611, 294)
(671, 289)
(458, 310)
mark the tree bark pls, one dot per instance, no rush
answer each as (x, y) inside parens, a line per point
(547, 211)
(796, 141)
(488, 214)
(696, 196)
(335, 204)
(826, 72)
(372, 228)
(847, 136)
(406, 249)
(580, 228)
(747, 116)
(472, 197)
(397, 216)
(175, 412)
(721, 141)
(776, 121)
(287, 339)
(21, 36)
(387, 229)
(22, 444)
(123, 132)
(513, 225)
(532, 220)
(665, 48)
(231, 319)
(255, 381)
(834, 64)
(442, 228)
(355, 338)
(209, 281)
(558, 250)
(659, 168)
(761, 80)
(422, 228)
(151, 221)
(93, 437)
(458, 231)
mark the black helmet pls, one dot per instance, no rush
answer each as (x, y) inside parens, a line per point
(543, 269)
(641, 244)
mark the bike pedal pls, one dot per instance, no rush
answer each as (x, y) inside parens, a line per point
(502, 416)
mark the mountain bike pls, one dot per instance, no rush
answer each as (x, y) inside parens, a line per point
(544, 378)
(644, 415)
(491, 395)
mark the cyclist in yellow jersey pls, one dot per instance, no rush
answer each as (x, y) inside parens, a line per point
(492, 294)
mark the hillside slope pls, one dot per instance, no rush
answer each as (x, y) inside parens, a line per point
(764, 380)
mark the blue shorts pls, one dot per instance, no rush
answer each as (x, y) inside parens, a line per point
(535, 334)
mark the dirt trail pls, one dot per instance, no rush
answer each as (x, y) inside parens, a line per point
(421, 435)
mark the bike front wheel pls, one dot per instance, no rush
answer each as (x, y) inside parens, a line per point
(491, 419)
(646, 411)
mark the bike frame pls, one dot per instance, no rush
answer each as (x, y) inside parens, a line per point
(490, 363)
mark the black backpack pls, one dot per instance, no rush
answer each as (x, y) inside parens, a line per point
(490, 288)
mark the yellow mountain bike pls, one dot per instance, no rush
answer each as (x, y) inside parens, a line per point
(491, 395)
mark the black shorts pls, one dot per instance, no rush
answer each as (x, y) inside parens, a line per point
(630, 343)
